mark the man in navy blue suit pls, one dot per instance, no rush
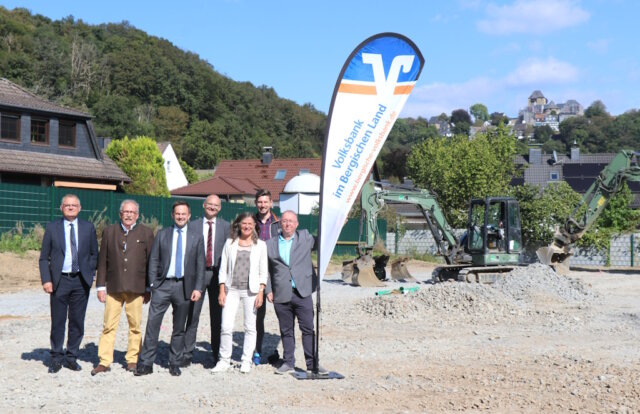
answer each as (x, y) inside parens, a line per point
(68, 261)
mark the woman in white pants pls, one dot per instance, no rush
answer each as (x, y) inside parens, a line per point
(243, 277)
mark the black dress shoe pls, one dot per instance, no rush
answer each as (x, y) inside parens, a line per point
(174, 370)
(54, 367)
(72, 365)
(185, 362)
(143, 370)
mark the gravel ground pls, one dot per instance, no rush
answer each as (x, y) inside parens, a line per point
(533, 342)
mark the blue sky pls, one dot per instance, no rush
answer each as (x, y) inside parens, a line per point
(490, 52)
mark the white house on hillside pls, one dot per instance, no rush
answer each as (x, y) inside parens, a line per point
(172, 169)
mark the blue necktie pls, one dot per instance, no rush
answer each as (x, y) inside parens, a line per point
(74, 250)
(179, 255)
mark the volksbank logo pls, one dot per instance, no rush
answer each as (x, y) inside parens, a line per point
(382, 85)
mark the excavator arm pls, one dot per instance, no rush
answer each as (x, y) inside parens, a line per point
(373, 200)
(594, 201)
(367, 270)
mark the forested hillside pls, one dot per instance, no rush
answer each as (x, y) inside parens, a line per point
(136, 84)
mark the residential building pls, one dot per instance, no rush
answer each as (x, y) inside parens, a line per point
(577, 170)
(48, 144)
(172, 168)
(540, 111)
(238, 180)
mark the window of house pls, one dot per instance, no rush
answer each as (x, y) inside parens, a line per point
(303, 171)
(67, 134)
(39, 131)
(280, 175)
(10, 127)
(554, 176)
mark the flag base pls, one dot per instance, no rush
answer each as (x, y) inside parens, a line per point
(310, 375)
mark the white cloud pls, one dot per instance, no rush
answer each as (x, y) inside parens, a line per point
(506, 94)
(436, 98)
(599, 46)
(536, 72)
(532, 16)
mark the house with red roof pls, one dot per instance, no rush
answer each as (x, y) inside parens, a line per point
(238, 180)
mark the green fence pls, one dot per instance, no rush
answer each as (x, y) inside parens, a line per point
(32, 205)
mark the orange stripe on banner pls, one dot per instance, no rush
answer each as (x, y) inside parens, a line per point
(371, 89)
(403, 90)
(359, 89)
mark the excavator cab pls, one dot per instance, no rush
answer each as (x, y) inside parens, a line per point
(493, 231)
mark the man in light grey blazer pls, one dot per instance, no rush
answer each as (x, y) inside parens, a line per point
(215, 232)
(176, 277)
(291, 282)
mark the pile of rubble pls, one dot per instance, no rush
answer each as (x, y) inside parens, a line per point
(519, 294)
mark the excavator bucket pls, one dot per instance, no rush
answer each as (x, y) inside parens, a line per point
(557, 257)
(365, 271)
(399, 270)
(361, 272)
(348, 269)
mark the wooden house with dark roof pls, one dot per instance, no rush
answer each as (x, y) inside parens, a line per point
(48, 144)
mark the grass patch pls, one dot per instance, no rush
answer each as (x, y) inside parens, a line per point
(18, 240)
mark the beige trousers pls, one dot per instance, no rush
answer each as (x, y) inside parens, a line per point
(132, 303)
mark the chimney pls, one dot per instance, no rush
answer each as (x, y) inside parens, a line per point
(267, 155)
(535, 156)
(575, 153)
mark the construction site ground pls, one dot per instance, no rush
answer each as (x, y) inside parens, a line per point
(538, 342)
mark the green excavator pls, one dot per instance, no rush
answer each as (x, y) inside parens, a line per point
(490, 246)
(622, 168)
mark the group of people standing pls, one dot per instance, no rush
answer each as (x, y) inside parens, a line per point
(257, 258)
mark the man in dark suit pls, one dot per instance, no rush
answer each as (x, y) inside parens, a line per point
(215, 232)
(290, 285)
(67, 266)
(122, 282)
(176, 276)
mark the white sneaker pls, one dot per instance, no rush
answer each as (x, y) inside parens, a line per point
(221, 366)
(245, 368)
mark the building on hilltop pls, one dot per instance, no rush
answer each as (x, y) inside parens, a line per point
(540, 111)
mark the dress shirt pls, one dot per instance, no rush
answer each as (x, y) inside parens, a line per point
(174, 242)
(66, 266)
(284, 248)
(205, 234)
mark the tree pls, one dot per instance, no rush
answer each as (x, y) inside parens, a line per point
(597, 108)
(480, 113)
(497, 117)
(458, 169)
(541, 212)
(141, 160)
(189, 172)
(542, 133)
(171, 125)
(461, 121)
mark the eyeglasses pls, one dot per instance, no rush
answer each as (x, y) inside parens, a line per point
(71, 205)
(128, 212)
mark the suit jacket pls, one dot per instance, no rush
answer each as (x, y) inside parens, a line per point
(300, 267)
(53, 249)
(123, 270)
(258, 264)
(220, 236)
(194, 265)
